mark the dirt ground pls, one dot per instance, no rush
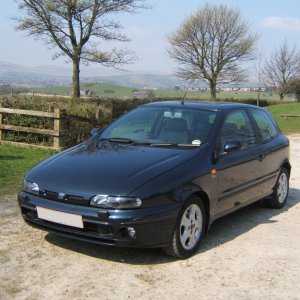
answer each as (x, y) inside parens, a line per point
(251, 254)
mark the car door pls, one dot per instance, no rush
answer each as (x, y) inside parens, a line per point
(271, 150)
(237, 170)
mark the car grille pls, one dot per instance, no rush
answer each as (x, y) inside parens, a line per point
(72, 199)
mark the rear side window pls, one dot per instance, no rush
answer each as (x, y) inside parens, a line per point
(237, 126)
(267, 129)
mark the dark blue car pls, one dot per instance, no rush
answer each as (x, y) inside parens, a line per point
(160, 175)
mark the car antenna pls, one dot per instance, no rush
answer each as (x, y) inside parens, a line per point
(183, 98)
(186, 91)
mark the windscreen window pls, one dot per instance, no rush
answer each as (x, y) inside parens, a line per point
(163, 125)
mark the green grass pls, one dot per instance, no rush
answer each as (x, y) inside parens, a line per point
(60, 90)
(15, 162)
(289, 125)
(101, 89)
(108, 90)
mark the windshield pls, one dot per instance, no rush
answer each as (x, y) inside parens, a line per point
(159, 125)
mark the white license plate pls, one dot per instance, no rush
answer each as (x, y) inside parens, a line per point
(59, 217)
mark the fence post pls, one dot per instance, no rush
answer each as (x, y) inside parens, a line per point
(99, 115)
(59, 125)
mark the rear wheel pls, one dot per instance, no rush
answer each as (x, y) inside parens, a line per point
(281, 190)
(189, 229)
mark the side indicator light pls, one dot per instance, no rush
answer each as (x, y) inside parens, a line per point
(214, 172)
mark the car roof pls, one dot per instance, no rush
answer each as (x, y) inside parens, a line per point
(216, 106)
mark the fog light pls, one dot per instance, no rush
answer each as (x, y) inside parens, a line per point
(131, 232)
(22, 196)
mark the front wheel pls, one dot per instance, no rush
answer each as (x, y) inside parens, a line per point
(281, 190)
(189, 229)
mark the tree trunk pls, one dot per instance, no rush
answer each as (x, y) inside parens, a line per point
(213, 90)
(76, 83)
(281, 97)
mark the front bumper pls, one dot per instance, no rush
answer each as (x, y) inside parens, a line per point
(153, 226)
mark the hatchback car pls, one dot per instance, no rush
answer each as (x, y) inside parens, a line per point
(160, 175)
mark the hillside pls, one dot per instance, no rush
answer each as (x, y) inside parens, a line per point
(49, 75)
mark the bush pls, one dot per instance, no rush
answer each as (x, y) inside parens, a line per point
(251, 101)
(73, 107)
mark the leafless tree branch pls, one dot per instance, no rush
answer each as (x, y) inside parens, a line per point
(211, 44)
(282, 68)
(73, 25)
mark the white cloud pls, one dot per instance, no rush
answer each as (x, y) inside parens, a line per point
(283, 23)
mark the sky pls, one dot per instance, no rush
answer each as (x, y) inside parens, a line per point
(148, 30)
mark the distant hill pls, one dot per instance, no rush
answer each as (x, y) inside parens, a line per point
(139, 80)
(41, 75)
(49, 75)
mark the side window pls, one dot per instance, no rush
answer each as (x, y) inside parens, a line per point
(267, 129)
(237, 126)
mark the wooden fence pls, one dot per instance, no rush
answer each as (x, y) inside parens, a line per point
(59, 132)
(287, 116)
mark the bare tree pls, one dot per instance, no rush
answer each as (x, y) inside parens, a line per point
(211, 44)
(76, 27)
(282, 68)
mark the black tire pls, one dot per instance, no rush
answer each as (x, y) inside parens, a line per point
(280, 192)
(189, 229)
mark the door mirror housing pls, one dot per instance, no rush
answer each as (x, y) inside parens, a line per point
(232, 145)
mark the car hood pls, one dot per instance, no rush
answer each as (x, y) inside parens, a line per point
(105, 168)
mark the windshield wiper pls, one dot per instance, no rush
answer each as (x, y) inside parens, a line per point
(125, 141)
(122, 140)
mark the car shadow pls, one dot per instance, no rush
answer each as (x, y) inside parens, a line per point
(237, 223)
(222, 231)
(133, 256)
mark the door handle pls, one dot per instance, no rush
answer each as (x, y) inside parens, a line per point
(261, 157)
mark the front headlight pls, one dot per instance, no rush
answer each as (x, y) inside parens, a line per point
(105, 201)
(30, 187)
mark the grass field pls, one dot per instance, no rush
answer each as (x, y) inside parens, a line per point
(100, 89)
(115, 91)
(289, 125)
(14, 164)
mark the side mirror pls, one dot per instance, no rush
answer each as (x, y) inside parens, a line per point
(95, 131)
(232, 145)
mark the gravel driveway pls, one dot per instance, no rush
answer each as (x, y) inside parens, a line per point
(251, 254)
